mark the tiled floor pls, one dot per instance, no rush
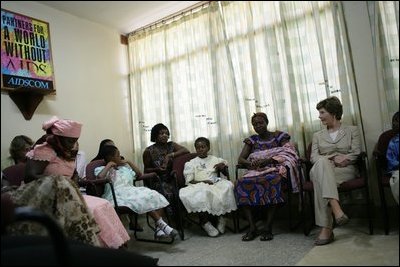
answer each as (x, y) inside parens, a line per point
(352, 246)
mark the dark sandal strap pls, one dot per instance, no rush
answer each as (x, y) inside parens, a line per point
(266, 236)
(251, 235)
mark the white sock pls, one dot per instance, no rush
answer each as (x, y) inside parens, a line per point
(163, 226)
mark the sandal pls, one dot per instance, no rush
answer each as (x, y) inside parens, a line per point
(251, 235)
(266, 236)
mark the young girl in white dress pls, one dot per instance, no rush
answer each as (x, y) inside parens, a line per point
(206, 193)
(139, 199)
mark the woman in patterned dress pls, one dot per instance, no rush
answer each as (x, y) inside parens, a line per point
(261, 185)
(158, 158)
(51, 164)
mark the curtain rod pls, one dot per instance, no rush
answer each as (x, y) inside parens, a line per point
(170, 17)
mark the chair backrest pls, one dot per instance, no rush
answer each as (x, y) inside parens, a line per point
(91, 166)
(179, 164)
(15, 174)
(380, 151)
(308, 151)
(98, 189)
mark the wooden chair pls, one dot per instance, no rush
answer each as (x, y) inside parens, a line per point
(95, 187)
(358, 183)
(178, 166)
(382, 175)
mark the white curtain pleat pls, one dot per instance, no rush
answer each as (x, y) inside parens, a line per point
(206, 73)
(385, 31)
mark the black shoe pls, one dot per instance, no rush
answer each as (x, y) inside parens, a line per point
(266, 236)
(251, 235)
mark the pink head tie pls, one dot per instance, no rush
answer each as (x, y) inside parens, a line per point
(60, 127)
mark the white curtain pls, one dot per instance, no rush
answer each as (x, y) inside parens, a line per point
(206, 73)
(384, 21)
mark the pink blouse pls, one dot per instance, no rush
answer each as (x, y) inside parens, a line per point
(56, 166)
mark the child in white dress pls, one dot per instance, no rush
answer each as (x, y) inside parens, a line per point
(206, 193)
(139, 199)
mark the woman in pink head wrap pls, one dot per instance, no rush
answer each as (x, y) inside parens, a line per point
(57, 154)
(48, 186)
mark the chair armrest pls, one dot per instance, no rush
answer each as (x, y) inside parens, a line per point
(304, 167)
(84, 182)
(240, 166)
(149, 179)
(175, 182)
(10, 214)
(225, 172)
(237, 167)
(145, 176)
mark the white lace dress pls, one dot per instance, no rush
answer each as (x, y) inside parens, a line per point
(216, 199)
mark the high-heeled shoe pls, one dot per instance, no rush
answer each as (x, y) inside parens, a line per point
(342, 220)
(321, 242)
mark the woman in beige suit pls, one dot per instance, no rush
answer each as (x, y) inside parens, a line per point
(334, 153)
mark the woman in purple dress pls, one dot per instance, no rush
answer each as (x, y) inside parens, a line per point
(265, 156)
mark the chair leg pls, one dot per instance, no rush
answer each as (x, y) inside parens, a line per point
(176, 206)
(385, 216)
(369, 212)
(303, 212)
(290, 209)
(235, 221)
(384, 209)
(233, 216)
(306, 229)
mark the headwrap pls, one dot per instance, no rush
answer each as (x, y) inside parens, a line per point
(60, 127)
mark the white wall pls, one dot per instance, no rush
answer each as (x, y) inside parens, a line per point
(91, 83)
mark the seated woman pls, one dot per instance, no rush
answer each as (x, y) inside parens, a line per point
(138, 199)
(392, 156)
(334, 152)
(104, 142)
(19, 146)
(265, 155)
(206, 193)
(158, 158)
(55, 195)
(56, 156)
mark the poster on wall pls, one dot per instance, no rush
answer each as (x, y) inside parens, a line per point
(26, 60)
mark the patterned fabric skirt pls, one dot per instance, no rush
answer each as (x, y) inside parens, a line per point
(263, 190)
(58, 197)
